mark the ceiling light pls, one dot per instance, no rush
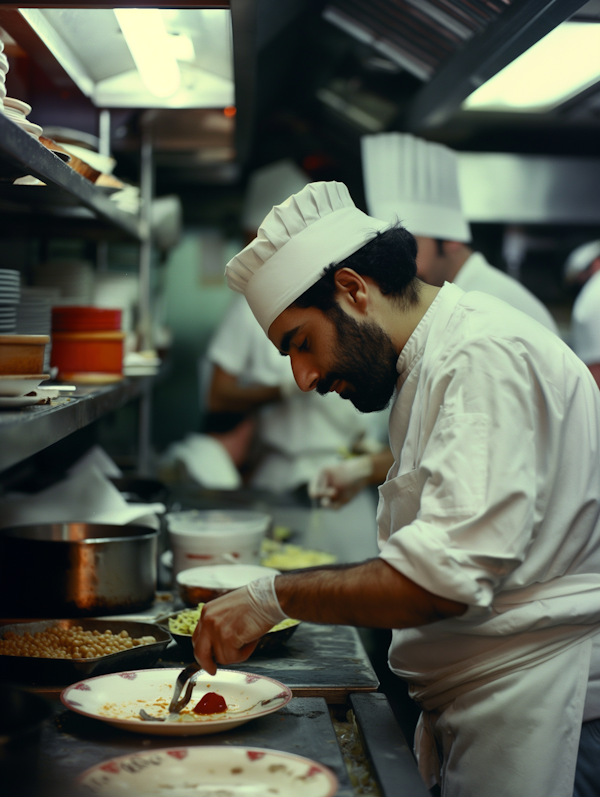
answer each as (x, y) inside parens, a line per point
(182, 47)
(559, 66)
(150, 46)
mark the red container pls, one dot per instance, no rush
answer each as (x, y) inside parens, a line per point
(85, 319)
(88, 353)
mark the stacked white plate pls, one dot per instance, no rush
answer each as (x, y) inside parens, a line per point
(17, 111)
(73, 278)
(10, 294)
(3, 71)
(34, 316)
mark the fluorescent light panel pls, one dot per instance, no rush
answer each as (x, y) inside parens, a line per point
(151, 49)
(562, 64)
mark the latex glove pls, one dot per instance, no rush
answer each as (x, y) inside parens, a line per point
(335, 485)
(230, 626)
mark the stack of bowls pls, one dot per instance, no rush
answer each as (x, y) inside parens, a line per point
(34, 315)
(10, 294)
(21, 363)
(3, 71)
(87, 344)
(17, 111)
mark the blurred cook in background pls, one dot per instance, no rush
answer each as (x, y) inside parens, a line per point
(297, 434)
(582, 267)
(415, 182)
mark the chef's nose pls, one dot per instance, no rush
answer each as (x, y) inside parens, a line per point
(305, 374)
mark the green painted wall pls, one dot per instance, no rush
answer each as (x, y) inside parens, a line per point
(195, 296)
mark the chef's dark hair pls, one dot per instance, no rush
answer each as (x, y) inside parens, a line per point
(389, 259)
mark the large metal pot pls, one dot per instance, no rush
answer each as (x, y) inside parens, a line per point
(76, 569)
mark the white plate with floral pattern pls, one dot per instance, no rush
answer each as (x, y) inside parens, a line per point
(225, 771)
(117, 699)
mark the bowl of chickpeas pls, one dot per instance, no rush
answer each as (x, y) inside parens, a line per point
(63, 651)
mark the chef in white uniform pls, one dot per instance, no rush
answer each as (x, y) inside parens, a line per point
(583, 268)
(489, 521)
(299, 433)
(416, 182)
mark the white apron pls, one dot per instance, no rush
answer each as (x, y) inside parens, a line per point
(505, 723)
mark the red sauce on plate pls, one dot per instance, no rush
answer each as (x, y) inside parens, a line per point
(211, 703)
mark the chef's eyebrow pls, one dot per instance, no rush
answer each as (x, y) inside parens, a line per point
(284, 346)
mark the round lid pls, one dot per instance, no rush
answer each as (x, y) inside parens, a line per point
(232, 520)
(223, 576)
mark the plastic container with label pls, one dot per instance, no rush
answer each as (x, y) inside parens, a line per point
(203, 537)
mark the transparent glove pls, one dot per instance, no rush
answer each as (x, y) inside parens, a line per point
(230, 626)
(335, 485)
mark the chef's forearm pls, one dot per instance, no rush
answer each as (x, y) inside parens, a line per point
(381, 464)
(226, 394)
(371, 594)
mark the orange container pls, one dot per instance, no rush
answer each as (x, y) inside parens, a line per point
(88, 354)
(22, 354)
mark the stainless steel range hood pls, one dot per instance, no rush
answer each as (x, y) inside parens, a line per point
(529, 189)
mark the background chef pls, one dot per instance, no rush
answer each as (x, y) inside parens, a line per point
(583, 268)
(489, 521)
(297, 434)
(416, 181)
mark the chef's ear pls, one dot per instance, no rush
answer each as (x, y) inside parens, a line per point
(352, 290)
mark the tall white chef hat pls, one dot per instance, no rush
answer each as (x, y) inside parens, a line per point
(294, 245)
(580, 259)
(415, 181)
(269, 186)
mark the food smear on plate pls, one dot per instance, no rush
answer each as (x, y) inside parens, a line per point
(186, 621)
(69, 643)
(211, 703)
(159, 708)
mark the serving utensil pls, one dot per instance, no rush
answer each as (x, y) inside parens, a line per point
(187, 678)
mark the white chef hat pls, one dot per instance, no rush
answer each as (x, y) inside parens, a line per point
(294, 245)
(268, 186)
(415, 181)
(580, 259)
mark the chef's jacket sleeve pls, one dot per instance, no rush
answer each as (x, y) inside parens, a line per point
(230, 347)
(474, 484)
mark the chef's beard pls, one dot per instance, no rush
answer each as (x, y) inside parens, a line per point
(366, 361)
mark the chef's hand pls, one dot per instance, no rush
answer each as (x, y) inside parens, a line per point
(230, 627)
(335, 485)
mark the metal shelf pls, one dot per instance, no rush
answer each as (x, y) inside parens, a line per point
(21, 154)
(29, 430)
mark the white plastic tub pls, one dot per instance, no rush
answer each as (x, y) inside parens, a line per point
(216, 537)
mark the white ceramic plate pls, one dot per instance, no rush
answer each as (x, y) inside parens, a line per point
(18, 385)
(17, 105)
(31, 128)
(208, 772)
(118, 698)
(14, 402)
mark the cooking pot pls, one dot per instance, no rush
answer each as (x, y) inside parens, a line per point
(76, 569)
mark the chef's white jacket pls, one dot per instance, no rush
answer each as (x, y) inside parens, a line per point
(585, 321)
(494, 501)
(303, 433)
(476, 274)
